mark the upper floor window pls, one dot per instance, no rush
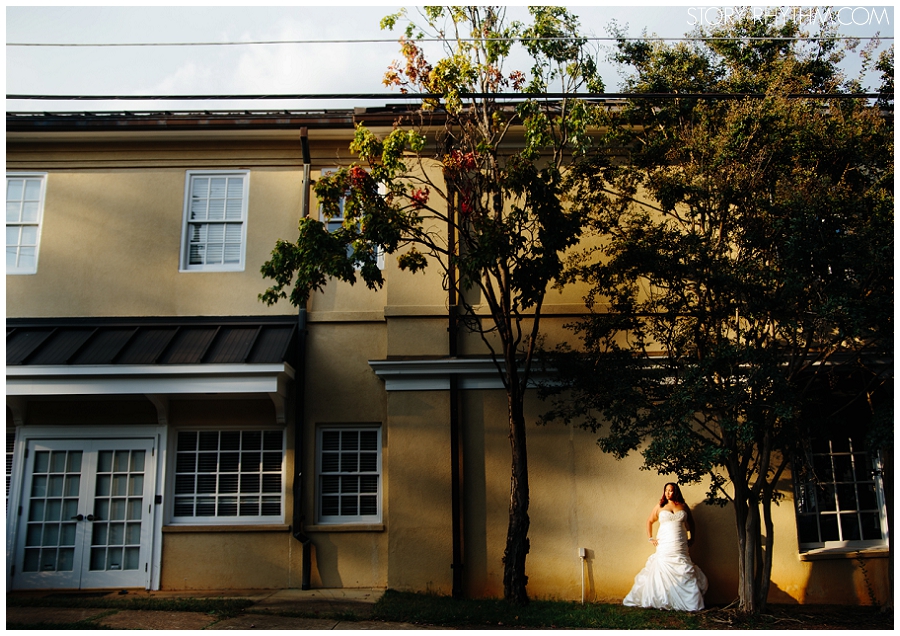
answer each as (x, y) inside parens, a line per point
(215, 221)
(840, 503)
(24, 209)
(335, 223)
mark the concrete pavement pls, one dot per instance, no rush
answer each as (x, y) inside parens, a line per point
(271, 609)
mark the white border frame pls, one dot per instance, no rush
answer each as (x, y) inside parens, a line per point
(44, 176)
(24, 434)
(183, 265)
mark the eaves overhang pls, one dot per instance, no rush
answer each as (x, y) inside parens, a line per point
(36, 380)
(434, 374)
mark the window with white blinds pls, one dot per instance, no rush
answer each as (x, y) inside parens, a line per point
(229, 476)
(348, 475)
(10, 447)
(24, 209)
(335, 223)
(215, 221)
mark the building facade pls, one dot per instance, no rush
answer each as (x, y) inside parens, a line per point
(166, 430)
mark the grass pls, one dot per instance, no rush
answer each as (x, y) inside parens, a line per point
(425, 609)
(444, 611)
(447, 612)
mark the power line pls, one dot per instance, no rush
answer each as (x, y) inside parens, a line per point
(444, 40)
(421, 96)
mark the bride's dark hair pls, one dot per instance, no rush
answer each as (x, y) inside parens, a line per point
(676, 495)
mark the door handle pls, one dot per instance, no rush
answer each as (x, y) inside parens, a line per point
(78, 517)
(90, 517)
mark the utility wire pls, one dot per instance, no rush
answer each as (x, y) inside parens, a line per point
(419, 96)
(394, 41)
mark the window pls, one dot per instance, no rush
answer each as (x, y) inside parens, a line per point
(334, 223)
(229, 477)
(840, 504)
(215, 221)
(10, 447)
(24, 209)
(348, 474)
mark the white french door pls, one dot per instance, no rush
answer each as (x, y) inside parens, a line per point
(86, 517)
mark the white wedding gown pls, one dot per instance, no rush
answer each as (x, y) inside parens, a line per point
(670, 580)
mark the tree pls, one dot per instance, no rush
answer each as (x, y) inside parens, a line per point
(492, 217)
(747, 243)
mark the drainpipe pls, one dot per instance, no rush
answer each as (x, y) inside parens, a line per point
(299, 396)
(455, 462)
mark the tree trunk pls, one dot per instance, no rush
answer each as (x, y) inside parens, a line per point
(517, 544)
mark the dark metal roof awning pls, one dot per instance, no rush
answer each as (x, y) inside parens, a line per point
(150, 341)
(156, 357)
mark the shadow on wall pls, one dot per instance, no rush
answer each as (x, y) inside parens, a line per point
(715, 551)
(847, 582)
(325, 562)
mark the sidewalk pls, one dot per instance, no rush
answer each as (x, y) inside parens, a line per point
(276, 603)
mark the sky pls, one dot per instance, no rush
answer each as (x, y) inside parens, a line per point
(315, 68)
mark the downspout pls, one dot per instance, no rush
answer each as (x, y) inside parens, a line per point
(299, 396)
(455, 462)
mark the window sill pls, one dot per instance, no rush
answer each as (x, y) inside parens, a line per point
(345, 527)
(823, 554)
(274, 527)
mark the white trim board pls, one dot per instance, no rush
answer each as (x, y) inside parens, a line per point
(30, 380)
(434, 375)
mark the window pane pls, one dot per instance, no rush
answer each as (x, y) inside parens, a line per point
(847, 497)
(822, 467)
(230, 440)
(233, 209)
(14, 189)
(187, 440)
(843, 468)
(850, 527)
(349, 440)
(32, 190)
(27, 258)
(235, 187)
(200, 187)
(331, 441)
(829, 525)
(871, 526)
(825, 496)
(867, 498)
(30, 210)
(29, 235)
(216, 210)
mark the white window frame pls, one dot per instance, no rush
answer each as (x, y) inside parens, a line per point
(188, 223)
(321, 475)
(224, 520)
(335, 222)
(805, 508)
(37, 224)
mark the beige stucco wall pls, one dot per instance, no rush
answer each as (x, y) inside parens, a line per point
(110, 246)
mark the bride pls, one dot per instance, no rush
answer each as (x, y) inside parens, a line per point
(670, 580)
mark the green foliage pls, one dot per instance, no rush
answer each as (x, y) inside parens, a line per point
(746, 242)
(465, 196)
(444, 611)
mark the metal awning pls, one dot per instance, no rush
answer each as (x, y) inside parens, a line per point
(155, 357)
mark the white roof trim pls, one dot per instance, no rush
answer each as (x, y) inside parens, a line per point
(32, 380)
(434, 375)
